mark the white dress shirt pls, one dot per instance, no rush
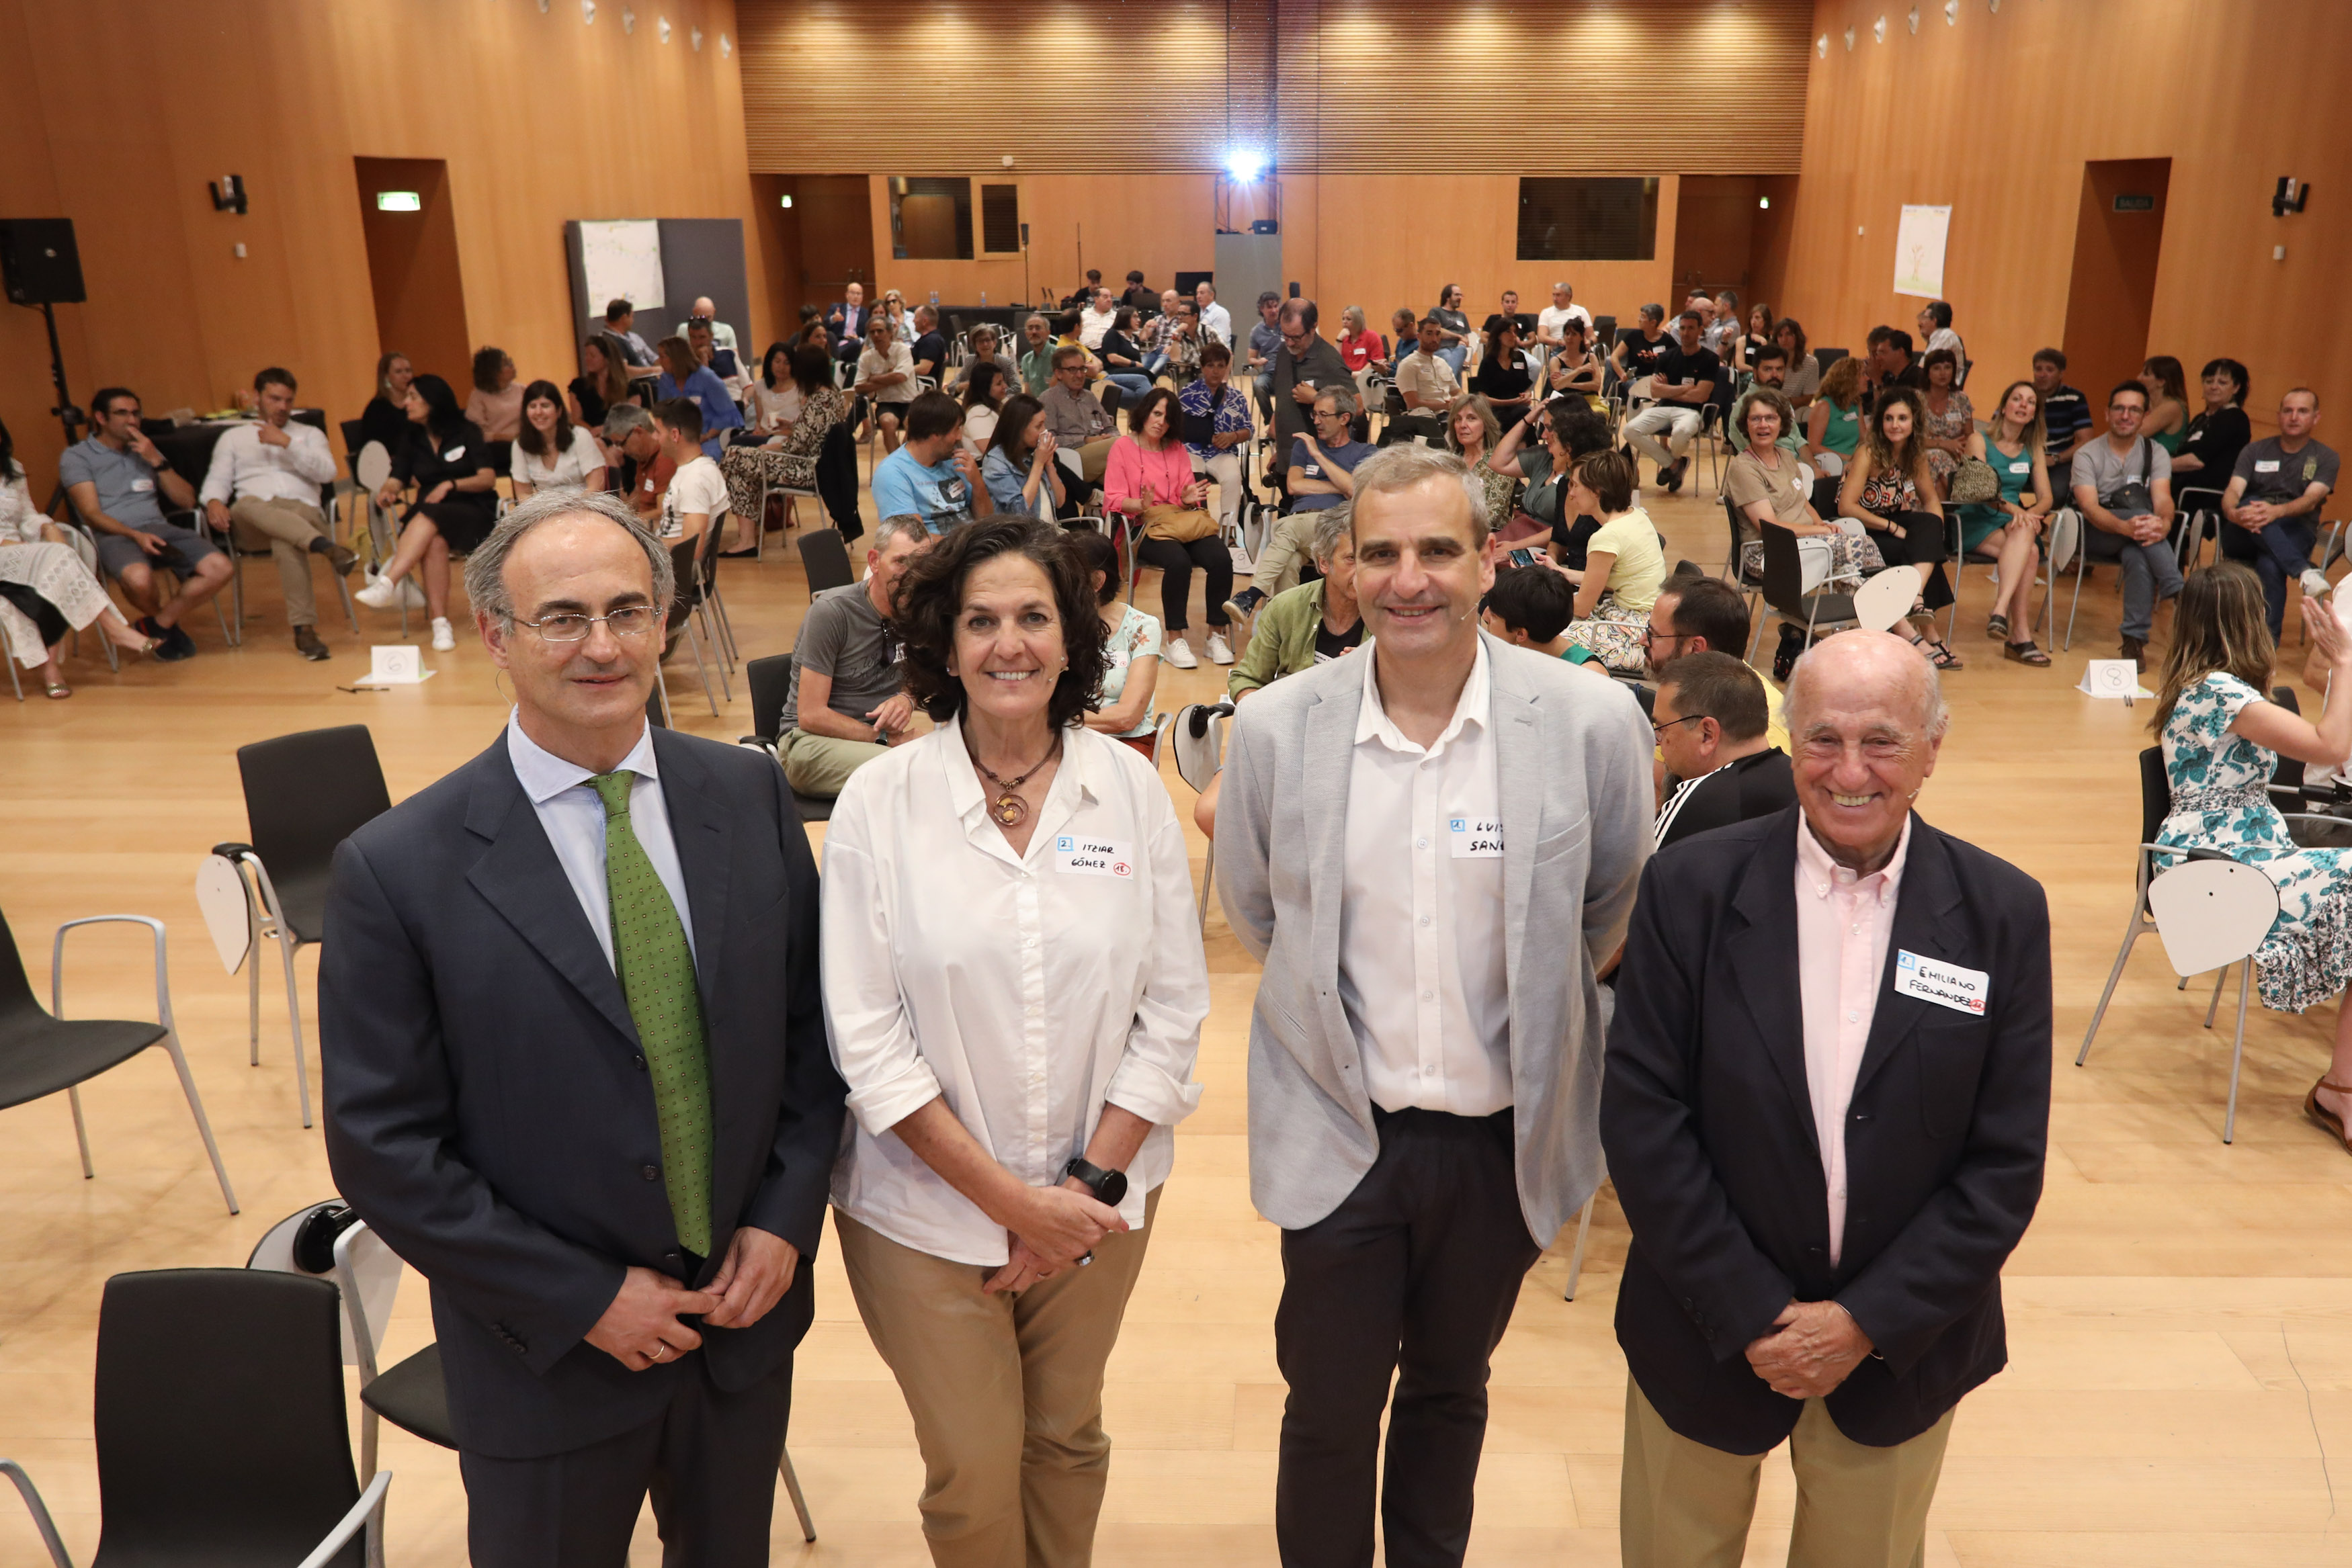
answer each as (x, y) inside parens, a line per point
(1028, 991)
(243, 466)
(1422, 966)
(573, 815)
(1843, 923)
(1217, 322)
(1094, 323)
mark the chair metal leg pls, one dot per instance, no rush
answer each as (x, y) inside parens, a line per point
(286, 946)
(694, 645)
(2073, 605)
(203, 1126)
(2238, 1049)
(2220, 979)
(81, 1129)
(252, 968)
(40, 1513)
(2138, 928)
(800, 1502)
(14, 685)
(1208, 880)
(1576, 1262)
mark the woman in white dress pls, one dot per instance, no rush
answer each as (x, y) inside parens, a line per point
(46, 588)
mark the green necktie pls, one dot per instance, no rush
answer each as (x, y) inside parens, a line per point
(656, 969)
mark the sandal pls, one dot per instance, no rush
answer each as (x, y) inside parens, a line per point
(56, 691)
(2026, 653)
(2322, 1117)
(1997, 628)
(1938, 654)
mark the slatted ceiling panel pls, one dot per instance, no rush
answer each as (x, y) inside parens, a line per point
(1547, 87)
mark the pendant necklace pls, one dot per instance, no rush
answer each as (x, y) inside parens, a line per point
(1009, 809)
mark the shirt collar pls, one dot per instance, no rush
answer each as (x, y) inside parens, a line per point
(1821, 874)
(543, 775)
(1372, 721)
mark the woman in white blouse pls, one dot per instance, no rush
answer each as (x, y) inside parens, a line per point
(1015, 988)
(552, 453)
(46, 587)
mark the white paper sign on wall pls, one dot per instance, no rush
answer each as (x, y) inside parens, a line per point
(1919, 251)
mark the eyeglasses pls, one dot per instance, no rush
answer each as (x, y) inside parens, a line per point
(629, 620)
(1651, 634)
(1659, 730)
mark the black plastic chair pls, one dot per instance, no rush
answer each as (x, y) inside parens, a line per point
(220, 1425)
(304, 794)
(41, 1052)
(825, 557)
(769, 680)
(1784, 593)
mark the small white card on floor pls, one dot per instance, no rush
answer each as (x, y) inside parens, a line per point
(1475, 838)
(1945, 984)
(2113, 678)
(401, 664)
(1083, 856)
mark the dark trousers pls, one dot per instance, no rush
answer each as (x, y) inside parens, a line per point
(710, 1460)
(1922, 545)
(2278, 554)
(1176, 561)
(1414, 1274)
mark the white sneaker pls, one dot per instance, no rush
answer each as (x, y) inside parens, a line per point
(1218, 652)
(379, 594)
(2314, 584)
(445, 641)
(1178, 652)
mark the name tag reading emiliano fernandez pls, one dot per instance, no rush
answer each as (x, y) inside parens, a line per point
(1945, 984)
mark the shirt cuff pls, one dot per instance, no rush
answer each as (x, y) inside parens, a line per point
(881, 1106)
(1151, 1091)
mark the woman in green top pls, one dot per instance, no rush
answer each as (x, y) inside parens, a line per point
(1833, 423)
(2167, 402)
(2005, 529)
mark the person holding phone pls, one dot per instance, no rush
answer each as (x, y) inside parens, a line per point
(112, 477)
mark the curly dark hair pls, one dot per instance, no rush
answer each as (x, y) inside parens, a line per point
(930, 598)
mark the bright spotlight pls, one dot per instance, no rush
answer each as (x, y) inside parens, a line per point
(1244, 165)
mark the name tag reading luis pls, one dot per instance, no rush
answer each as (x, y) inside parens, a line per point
(1945, 984)
(1475, 838)
(1083, 856)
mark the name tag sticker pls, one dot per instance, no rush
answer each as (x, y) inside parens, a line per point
(453, 454)
(1945, 984)
(1083, 856)
(2266, 466)
(1475, 838)
(2020, 467)
(140, 486)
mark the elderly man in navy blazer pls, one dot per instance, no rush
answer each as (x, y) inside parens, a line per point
(1826, 1107)
(576, 1073)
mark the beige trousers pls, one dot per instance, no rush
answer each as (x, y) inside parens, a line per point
(1290, 541)
(1006, 1392)
(288, 528)
(1682, 1504)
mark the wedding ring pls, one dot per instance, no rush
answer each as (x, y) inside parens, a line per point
(660, 1350)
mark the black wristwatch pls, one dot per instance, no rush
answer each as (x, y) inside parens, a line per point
(1108, 1186)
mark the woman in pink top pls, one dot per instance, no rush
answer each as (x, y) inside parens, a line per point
(1149, 466)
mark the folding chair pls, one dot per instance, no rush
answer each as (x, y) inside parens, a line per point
(1199, 733)
(681, 618)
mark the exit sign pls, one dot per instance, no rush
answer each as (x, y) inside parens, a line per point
(2135, 204)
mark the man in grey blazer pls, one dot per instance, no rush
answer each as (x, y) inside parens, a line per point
(1430, 847)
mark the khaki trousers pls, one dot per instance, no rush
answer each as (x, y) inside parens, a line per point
(288, 528)
(819, 766)
(1288, 542)
(1685, 1505)
(1006, 1392)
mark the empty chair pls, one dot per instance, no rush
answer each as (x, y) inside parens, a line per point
(220, 1423)
(2213, 915)
(769, 680)
(42, 1052)
(304, 794)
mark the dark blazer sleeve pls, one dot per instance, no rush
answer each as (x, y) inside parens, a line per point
(790, 1198)
(1681, 1219)
(392, 1137)
(1942, 1263)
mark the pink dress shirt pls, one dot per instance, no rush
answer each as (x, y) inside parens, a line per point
(1843, 924)
(1134, 479)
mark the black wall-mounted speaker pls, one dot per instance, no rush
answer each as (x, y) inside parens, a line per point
(38, 263)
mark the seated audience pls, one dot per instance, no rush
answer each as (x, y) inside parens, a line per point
(1765, 487)
(1319, 480)
(46, 588)
(1551, 322)
(929, 349)
(722, 336)
(495, 405)
(1772, 374)
(1148, 479)
(1804, 380)
(262, 490)
(1682, 380)
(2167, 402)
(1155, 336)
(457, 501)
(983, 395)
(1132, 645)
(2209, 446)
(683, 375)
(894, 311)
(787, 461)
(1888, 362)
(2272, 505)
(2066, 412)
(930, 475)
(2006, 529)
(775, 400)
(1216, 321)
(1452, 328)
(1184, 344)
(1102, 311)
(1312, 623)
(697, 493)
(1891, 491)
(719, 362)
(1425, 377)
(1139, 295)
(1936, 332)
(1121, 355)
(845, 323)
(1360, 348)
(1696, 615)
(2123, 487)
(1635, 355)
(629, 435)
(1083, 428)
(1038, 360)
(1404, 337)
(1530, 607)
(846, 705)
(886, 380)
(1721, 766)
(1503, 376)
(1216, 422)
(1574, 369)
(552, 453)
(1020, 473)
(1265, 342)
(988, 348)
(1508, 311)
(620, 324)
(1722, 334)
(1539, 451)
(112, 476)
(1833, 426)
(1303, 366)
(1757, 337)
(385, 418)
(603, 381)
(1625, 564)
(1949, 420)
(1472, 433)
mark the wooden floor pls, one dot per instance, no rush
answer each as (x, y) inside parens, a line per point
(2180, 1320)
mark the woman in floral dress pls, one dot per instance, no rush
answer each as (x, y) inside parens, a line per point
(2223, 740)
(788, 462)
(1949, 419)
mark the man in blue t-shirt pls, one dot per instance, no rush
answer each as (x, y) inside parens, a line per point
(114, 479)
(1321, 476)
(930, 475)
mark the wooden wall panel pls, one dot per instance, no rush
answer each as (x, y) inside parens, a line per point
(540, 117)
(1996, 116)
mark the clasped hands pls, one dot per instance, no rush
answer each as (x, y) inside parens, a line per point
(1812, 1347)
(1057, 1226)
(641, 1326)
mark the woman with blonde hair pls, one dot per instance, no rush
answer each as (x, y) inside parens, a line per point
(1472, 433)
(2006, 528)
(2222, 741)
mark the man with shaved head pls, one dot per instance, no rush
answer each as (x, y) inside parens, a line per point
(1826, 1103)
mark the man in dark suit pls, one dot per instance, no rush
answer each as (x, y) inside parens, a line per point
(1825, 1107)
(576, 1073)
(845, 323)
(1710, 718)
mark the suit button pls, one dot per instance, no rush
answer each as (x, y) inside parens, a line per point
(1862, 1115)
(637, 1063)
(651, 1172)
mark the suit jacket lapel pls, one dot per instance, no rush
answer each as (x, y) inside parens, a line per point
(1762, 946)
(1922, 925)
(1324, 765)
(518, 875)
(704, 841)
